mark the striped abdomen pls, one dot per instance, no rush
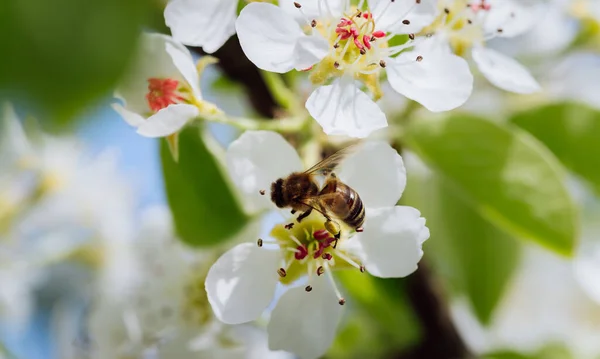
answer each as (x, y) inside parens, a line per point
(343, 202)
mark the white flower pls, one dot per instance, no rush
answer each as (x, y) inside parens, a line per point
(463, 25)
(545, 304)
(345, 47)
(241, 284)
(574, 78)
(205, 23)
(160, 306)
(161, 92)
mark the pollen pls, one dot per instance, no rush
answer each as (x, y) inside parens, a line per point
(162, 93)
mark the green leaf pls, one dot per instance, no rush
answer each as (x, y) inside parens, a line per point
(510, 178)
(486, 257)
(571, 132)
(205, 209)
(62, 55)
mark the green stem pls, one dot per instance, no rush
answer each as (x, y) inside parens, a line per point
(285, 97)
(288, 125)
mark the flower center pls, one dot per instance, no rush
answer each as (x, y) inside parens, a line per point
(309, 249)
(164, 92)
(461, 22)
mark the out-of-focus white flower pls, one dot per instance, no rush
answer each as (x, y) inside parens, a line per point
(544, 305)
(205, 23)
(574, 78)
(241, 284)
(161, 92)
(463, 25)
(53, 201)
(160, 306)
(348, 46)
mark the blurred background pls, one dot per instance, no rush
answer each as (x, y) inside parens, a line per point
(503, 276)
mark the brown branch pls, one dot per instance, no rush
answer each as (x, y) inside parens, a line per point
(236, 66)
(440, 338)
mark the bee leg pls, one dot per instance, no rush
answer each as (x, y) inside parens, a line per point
(304, 215)
(293, 211)
(337, 237)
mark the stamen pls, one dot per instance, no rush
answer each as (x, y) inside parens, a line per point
(341, 300)
(320, 270)
(259, 242)
(308, 288)
(282, 273)
(262, 192)
(419, 58)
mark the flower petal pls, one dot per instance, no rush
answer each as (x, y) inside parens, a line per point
(514, 18)
(185, 64)
(390, 245)
(132, 118)
(440, 81)
(255, 160)
(376, 172)
(343, 109)
(388, 15)
(241, 283)
(504, 72)
(167, 121)
(273, 41)
(305, 323)
(313, 9)
(152, 61)
(206, 23)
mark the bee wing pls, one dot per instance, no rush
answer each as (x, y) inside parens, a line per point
(326, 166)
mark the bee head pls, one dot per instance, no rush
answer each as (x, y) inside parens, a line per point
(277, 193)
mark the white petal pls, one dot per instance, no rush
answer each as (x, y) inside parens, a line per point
(205, 23)
(587, 269)
(389, 15)
(390, 245)
(376, 172)
(343, 109)
(182, 58)
(13, 140)
(309, 50)
(152, 61)
(575, 78)
(504, 72)
(313, 9)
(514, 18)
(255, 160)
(271, 38)
(167, 121)
(241, 283)
(132, 118)
(305, 323)
(440, 81)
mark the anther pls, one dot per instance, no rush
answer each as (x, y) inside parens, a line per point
(363, 51)
(406, 22)
(500, 31)
(282, 273)
(320, 270)
(259, 242)
(362, 269)
(297, 5)
(342, 301)
(321, 234)
(419, 58)
(308, 288)
(289, 226)
(469, 21)
(262, 192)
(411, 36)
(379, 34)
(382, 63)
(313, 23)
(336, 45)
(336, 64)
(418, 1)
(360, 229)
(446, 10)
(326, 256)
(301, 253)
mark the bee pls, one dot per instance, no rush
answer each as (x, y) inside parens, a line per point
(302, 192)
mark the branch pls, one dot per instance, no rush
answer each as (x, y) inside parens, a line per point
(440, 338)
(236, 66)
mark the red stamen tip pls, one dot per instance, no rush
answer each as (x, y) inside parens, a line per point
(162, 93)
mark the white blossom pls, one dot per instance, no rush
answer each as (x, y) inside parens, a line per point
(161, 91)
(463, 26)
(345, 47)
(152, 301)
(242, 282)
(204, 23)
